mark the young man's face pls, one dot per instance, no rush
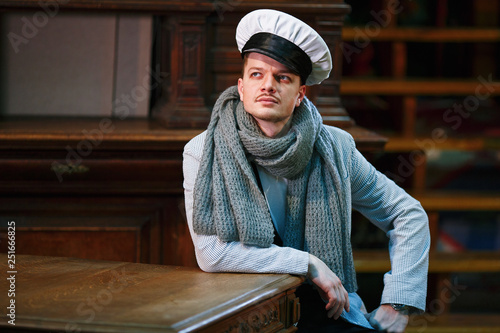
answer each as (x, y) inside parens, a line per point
(269, 91)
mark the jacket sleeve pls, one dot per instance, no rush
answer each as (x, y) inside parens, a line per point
(404, 221)
(214, 255)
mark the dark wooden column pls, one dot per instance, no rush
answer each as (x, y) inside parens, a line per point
(182, 58)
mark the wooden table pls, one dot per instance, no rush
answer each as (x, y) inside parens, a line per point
(76, 295)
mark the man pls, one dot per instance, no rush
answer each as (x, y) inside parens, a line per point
(269, 188)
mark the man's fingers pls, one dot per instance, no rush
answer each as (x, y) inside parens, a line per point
(387, 319)
(336, 304)
(324, 296)
(347, 306)
(335, 311)
(331, 298)
(329, 286)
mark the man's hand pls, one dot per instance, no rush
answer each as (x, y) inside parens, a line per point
(386, 319)
(329, 287)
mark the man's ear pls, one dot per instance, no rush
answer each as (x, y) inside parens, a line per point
(240, 88)
(302, 94)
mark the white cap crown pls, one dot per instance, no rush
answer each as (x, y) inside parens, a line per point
(265, 30)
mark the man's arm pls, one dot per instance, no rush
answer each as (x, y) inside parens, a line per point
(406, 224)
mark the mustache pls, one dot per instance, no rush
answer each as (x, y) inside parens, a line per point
(267, 96)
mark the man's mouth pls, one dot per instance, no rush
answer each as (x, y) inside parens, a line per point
(267, 100)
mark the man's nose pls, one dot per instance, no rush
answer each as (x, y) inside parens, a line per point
(268, 83)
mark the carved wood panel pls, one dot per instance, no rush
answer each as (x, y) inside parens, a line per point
(270, 316)
(132, 229)
(182, 102)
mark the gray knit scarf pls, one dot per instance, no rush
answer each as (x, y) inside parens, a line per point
(228, 201)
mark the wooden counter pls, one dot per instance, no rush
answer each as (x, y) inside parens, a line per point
(76, 295)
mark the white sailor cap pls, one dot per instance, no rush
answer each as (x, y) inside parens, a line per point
(285, 39)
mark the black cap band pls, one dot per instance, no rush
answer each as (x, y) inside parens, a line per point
(281, 50)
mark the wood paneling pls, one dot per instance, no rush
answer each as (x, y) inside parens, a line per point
(126, 205)
(128, 228)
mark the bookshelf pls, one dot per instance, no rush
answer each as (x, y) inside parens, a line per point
(425, 75)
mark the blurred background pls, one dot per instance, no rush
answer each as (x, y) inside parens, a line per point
(90, 163)
(425, 75)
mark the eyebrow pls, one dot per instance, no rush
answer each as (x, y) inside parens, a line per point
(279, 72)
(255, 68)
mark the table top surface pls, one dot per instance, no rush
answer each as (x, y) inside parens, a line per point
(71, 294)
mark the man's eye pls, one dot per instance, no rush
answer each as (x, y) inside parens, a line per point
(255, 74)
(284, 78)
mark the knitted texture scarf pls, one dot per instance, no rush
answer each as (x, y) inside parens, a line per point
(229, 203)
